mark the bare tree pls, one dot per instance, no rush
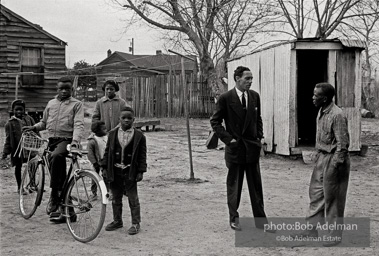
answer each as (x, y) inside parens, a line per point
(193, 18)
(364, 26)
(320, 17)
(213, 30)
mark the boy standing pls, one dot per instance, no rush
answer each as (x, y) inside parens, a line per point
(124, 163)
(13, 132)
(97, 142)
(108, 108)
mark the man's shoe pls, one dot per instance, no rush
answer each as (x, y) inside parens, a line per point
(236, 226)
(58, 220)
(114, 225)
(52, 206)
(313, 233)
(134, 229)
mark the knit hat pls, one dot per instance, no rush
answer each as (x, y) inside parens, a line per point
(18, 103)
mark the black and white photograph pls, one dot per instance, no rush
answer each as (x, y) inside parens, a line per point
(211, 127)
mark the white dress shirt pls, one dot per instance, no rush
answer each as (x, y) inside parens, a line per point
(239, 93)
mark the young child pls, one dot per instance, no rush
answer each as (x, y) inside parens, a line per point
(96, 148)
(108, 108)
(124, 163)
(13, 132)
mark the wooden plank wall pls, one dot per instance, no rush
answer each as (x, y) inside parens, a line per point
(353, 116)
(163, 96)
(345, 87)
(267, 95)
(281, 109)
(14, 35)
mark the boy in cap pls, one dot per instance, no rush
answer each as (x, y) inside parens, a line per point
(13, 132)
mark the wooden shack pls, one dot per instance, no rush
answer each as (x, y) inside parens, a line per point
(285, 76)
(153, 86)
(26, 47)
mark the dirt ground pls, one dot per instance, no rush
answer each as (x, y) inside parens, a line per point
(191, 218)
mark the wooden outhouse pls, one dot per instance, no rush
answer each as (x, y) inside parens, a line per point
(285, 75)
(26, 47)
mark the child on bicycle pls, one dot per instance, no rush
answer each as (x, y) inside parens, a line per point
(13, 132)
(108, 108)
(63, 118)
(96, 148)
(124, 164)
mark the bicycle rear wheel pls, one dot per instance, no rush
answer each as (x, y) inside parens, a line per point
(85, 212)
(31, 189)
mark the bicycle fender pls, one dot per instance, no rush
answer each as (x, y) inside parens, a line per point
(104, 196)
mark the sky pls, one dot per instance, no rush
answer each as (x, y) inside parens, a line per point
(90, 27)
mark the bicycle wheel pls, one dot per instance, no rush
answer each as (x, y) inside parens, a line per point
(85, 212)
(31, 189)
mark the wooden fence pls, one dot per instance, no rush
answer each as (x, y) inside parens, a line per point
(163, 96)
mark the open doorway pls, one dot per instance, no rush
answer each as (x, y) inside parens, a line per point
(312, 68)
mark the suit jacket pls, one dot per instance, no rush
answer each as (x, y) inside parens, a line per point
(246, 129)
(138, 163)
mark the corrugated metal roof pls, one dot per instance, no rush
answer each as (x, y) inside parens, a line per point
(350, 43)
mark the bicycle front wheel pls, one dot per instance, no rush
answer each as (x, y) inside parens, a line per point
(31, 189)
(84, 210)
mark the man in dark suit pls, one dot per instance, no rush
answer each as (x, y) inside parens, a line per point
(240, 109)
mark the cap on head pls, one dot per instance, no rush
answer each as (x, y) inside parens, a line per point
(18, 103)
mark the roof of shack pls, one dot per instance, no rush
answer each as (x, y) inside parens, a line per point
(348, 43)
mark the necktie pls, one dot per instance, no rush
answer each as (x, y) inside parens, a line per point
(243, 101)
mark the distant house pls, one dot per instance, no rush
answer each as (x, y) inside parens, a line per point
(152, 84)
(26, 47)
(285, 75)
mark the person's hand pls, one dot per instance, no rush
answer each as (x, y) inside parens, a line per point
(139, 176)
(232, 141)
(4, 156)
(29, 129)
(75, 144)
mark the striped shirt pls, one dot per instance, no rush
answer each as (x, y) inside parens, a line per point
(332, 134)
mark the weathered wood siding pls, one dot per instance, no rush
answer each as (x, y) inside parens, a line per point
(15, 34)
(282, 69)
(346, 79)
(353, 116)
(275, 78)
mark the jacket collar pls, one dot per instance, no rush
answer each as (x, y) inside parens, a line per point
(328, 108)
(65, 100)
(105, 98)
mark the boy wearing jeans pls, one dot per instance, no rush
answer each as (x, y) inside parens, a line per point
(124, 163)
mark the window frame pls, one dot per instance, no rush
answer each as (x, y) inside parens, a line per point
(37, 68)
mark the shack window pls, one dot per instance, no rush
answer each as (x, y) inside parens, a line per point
(32, 61)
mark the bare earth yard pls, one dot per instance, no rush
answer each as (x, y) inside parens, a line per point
(191, 218)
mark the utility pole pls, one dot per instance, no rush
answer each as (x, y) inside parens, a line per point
(186, 96)
(131, 48)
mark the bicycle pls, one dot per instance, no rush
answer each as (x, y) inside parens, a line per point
(84, 214)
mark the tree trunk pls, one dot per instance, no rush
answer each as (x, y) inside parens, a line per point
(209, 74)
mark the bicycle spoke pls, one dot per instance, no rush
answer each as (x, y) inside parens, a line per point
(89, 213)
